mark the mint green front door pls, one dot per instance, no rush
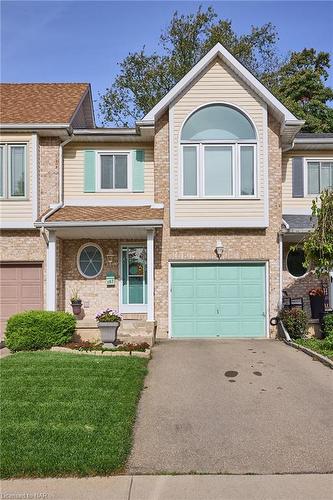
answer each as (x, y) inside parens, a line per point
(218, 300)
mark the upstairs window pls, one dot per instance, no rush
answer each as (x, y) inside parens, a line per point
(13, 171)
(319, 175)
(218, 144)
(113, 171)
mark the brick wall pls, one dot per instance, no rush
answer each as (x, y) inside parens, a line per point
(48, 172)
(199, 244)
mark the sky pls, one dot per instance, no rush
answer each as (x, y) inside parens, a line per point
(82, 41)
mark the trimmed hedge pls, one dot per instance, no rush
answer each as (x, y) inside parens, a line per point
(328, 325)
(296, 322)
(33, 330)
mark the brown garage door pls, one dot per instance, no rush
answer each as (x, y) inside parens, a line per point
(21, 289)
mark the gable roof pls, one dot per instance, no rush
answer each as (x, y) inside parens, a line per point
(41, 103)
(221, 52)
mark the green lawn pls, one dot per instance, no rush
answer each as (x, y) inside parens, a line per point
(321, 346)
(63, 414)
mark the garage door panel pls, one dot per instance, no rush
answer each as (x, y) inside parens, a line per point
(208, 291)
(21, 289)
(228, 300)
(183, 291)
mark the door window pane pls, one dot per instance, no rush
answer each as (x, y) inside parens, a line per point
(134, 270)
(106, 171)
(120, 172)
(218, 171)
(17, 171)
(190, 171)
(247, 170)
(313, 177)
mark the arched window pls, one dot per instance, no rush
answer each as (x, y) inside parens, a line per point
(218, 145)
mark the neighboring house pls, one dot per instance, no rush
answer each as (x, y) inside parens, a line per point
(192, 212)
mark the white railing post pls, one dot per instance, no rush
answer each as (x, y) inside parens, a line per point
(51, 272)
(150, 275)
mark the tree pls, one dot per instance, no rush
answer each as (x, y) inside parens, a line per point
(300, 85)
(318, 246)
(143, 79)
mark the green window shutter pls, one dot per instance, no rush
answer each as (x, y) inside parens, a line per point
(89, 172)
(138, 172)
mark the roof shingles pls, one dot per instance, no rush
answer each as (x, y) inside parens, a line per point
(98, 214)
(29, 103)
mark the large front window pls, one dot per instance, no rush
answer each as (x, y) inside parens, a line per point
(320, 176)
(13, 171)
(134, 275)
(219, 154)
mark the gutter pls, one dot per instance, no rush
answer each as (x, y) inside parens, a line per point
(64, 224)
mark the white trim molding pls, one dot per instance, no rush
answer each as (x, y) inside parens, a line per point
(51, 272)
(150, 275)
(34, 175)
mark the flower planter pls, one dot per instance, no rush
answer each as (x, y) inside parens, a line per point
(108, 332)
(317, 305)
(77, 307)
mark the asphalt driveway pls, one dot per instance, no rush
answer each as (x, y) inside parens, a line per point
(233, 406)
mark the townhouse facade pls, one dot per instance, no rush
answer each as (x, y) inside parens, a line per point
(183, 223)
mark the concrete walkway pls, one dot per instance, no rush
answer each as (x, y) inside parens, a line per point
(233, 406)
(291, 487)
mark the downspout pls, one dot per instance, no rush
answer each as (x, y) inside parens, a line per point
(56, 206)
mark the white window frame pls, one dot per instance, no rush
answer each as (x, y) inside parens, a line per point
(128, 308)
(82, 247)
(6, 175)
(236, 181)
(306, 173)
(128, 154)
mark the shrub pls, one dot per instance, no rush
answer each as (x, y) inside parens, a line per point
(296, 322)
(32, 330)
(328, 325)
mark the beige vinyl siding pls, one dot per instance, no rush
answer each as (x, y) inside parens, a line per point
(218, 84)
(290, 204)
(14, 210)
(74, 172)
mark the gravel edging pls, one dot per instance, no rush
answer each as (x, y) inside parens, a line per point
(319, 357)
(137, 354)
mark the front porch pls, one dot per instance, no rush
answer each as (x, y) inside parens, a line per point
(109, 264)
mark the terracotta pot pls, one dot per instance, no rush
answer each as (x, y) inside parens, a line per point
(77, 307)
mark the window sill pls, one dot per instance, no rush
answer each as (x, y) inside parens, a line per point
(218, 198)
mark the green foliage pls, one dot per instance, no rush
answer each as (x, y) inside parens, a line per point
(298, 79)
(300, 85)
(144, 78)
(324, 347)
(318, 246)
(67, 415)
(328, 326)
(33, 330)
(296, 322)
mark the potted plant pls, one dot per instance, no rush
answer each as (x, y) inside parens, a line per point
(108, 322)
(76, 302)
(316, 302)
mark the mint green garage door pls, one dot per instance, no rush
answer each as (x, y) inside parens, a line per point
(218, 300)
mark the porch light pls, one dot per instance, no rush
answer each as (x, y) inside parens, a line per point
(110, 256)
(219, 249)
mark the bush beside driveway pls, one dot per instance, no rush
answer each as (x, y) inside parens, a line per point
(67, 415)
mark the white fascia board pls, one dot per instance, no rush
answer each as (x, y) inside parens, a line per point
(105, 131)
(219, 51)
(134, 223)
(33, 126)
(328, 141)
(16, 225)
(121, 202)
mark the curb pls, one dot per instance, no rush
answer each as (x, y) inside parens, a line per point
(319, 357)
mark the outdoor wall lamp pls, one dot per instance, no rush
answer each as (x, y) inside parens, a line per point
(219, 249)
(110, 256)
